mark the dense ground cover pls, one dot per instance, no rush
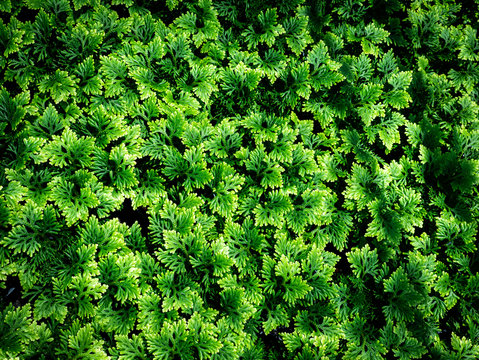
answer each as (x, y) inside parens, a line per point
(239, 179)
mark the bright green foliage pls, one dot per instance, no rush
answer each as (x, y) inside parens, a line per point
(34, 228)
(79, 342)
(11, 112)
(76, 195)
(59, 85)
(21, 335)
(226, 180)
(115, 168)
(68, 150)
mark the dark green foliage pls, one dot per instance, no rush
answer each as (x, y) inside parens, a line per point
(239, 179)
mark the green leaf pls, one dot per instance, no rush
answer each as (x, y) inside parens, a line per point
(370, 93)
(364, 261)
(75, 196)
(398, 99)
(400, 80)
(17, 330)
(80, 342)
(268, 30)
(388, 130)
(6, 6)
(276, 317)
(12, 112)
(31, 234)
(297, 36)
(60, 85)
(131, 348)
(172, 340)
(69, 150)
(11, 35)
(86, 289)
(116, 168)
(272, 211)
(469, 48)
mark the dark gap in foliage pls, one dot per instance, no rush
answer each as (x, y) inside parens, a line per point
(247, 140)
(199, 54)
(206, 191)
(273, 341)
(376, 302)
(317, 127)
(184, 315)
(342, 266)
(26, 14)
(177, 143)
(382, 11)
(454, 177)
(343, 346)
(445, 333)
(339, 185)
(395, 154)
(469, 14)
(405, 246)
(107, 338)
(166, 14)
(281, 85)
(220, 226)
(349, 160)
(242, 20)
(454, 315)
(146, 163)
(216, 112)
(121, 10)
(114, 143)
(304, 115)
(12, 294)
(459, 207)
(12, 87)
(474, 266)
(128, 216)
(38, 356)
(318, 13)
(212, 297)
